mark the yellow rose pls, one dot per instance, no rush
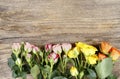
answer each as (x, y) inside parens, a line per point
(86, 49)
(73, 53)
(81, 45)
(92, 59)
(73, 71)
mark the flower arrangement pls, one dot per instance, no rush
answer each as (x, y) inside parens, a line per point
(63, 61)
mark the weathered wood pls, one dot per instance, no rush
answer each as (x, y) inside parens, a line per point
(54, 21)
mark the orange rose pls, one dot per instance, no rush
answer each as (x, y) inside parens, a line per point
(114, 53)
(105, 47)
(101, 56)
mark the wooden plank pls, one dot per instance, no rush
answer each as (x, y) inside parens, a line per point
(55, 21)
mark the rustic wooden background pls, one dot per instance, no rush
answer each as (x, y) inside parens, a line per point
(52, 21)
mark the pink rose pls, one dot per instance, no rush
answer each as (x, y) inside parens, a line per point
(48, 47)
(16, 46)
(28, 57)
(35, 49)
(66, 47)
(53, 57)
(57, 48)
(28, 47)
(16, 49)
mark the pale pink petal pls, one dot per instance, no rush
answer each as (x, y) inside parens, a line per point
(57, 48)
(28, 47)
(16, 46)
(66, 47)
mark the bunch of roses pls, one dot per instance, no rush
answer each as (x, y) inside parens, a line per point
(63, 61)
(88, 60)
(28, 58)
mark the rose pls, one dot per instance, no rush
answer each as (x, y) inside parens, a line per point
(73, 71)
(73, 53)
(18, 62)
(28, 57)
(28, 47)
(48, 47)
(35, 49)
(101, 56)
(92, 59)
(105, 47)
(86, 49)
(57, 48)
(114, 53)
(53, 57)
(66, 47)
(16, 48)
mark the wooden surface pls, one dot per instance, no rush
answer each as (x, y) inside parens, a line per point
(52, 21)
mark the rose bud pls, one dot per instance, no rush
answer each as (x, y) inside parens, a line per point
(73, 53)
(114, 53)
(101, 56)
(16, 49)
(74, 71)
(105, 47)
(92, 59)
(28, 47)
(18, 62)
(48, 47)
(66, 47)
(57, 48)
(53, 57)
(28, 57)
(35, 49)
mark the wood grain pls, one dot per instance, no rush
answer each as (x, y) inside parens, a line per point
(55, 21)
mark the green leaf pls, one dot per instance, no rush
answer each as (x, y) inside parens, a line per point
(16, 68)
(40, 76)
(104, 68)
(112, 77)
(14, 75)
(23, 75)
(60, 77)
(13, 56)
(55, 73)
(92, 74)
(11, 63)
(46, 69)
(16, 72)
(35, 71)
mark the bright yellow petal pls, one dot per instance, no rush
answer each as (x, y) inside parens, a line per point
(92, 59)
(73, 53)
(74, 71)
(86, 49)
